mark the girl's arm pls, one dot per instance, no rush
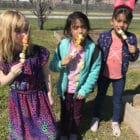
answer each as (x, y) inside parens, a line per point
(91, 79)
(15, 70)
(134, 51)
(55, 63)
(133, 48)
(48, 81)
(58, 63)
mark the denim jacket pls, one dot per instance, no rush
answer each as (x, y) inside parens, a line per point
(104, 42)
(88, 75)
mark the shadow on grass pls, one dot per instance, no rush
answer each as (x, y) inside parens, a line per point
(128, 97)
(106, 113)
(132, 91)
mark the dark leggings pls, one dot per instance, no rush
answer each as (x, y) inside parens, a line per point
(71, 114)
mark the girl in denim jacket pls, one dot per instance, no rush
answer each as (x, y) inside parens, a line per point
(118, 47)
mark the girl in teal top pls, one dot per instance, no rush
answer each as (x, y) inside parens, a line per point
(79, 64)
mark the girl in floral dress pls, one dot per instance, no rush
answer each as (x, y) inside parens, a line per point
(30, 99)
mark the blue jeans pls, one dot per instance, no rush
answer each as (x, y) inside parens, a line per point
(118, 89)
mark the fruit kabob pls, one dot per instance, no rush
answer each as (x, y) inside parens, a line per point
(25, 45)
(77, 42)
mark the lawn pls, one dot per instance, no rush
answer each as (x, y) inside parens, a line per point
(46, 38)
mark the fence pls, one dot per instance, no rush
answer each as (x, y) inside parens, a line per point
(63, 5)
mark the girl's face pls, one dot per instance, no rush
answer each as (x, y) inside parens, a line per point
(78, 28)
(120, 22)
(18, 34)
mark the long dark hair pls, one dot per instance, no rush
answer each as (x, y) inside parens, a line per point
(72, 18)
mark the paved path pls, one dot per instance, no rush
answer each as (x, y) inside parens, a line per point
(90, 17)
(55, 15)
(63, 15)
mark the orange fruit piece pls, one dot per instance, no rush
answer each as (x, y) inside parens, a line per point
(25, 39)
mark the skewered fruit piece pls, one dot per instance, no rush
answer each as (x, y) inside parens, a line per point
(25, 45)
(123, 35)
(79, 39)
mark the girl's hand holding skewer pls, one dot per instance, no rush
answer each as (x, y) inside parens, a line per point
(131, 48)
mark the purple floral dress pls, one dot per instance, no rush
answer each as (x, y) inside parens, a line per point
(30, 114)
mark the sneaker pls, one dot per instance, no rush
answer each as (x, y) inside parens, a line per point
(95, 124)
(63, 138)
(116, 129)
(73, 137)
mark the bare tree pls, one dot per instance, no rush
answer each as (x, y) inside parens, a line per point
(77, 1)
(42, 9)
(86, 7)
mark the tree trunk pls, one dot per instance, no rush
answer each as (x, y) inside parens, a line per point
(42, 9)
(40, 24)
